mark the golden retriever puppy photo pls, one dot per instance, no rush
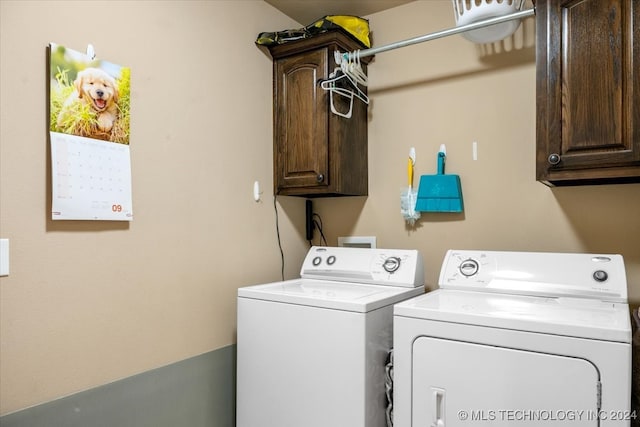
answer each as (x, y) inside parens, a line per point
(97, 89)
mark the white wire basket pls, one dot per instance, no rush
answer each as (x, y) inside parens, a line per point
(470, 11)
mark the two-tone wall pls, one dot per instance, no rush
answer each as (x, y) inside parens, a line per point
(133, 324)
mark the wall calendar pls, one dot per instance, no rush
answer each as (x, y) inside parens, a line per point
(89, 131)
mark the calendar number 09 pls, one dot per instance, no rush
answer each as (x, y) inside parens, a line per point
(116, 208)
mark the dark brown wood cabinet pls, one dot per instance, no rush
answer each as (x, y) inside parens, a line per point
(316, 153)
(588, 91)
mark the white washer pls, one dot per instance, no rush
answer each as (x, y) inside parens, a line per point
(514, 338)
(312, 351)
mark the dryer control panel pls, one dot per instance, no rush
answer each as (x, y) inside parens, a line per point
(391, 267)
(595, 276)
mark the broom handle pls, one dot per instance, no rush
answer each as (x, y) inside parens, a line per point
(441, 157)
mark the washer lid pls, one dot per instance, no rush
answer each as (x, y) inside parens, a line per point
(574, 317)
(344, 296)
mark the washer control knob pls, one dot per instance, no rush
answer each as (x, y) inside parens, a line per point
(469, 267)
(391, 264)
(600, 276)
(316, 261)
(331, 260)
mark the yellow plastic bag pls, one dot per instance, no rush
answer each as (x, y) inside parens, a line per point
(353, 25)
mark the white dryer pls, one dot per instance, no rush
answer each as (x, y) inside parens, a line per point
(514, 338)
(312, 351)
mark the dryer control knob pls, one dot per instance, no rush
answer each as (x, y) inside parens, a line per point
(600, 276)
(469, 267)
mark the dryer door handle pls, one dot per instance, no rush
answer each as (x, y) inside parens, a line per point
(438, 407)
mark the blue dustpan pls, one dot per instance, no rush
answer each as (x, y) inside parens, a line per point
(440, 193)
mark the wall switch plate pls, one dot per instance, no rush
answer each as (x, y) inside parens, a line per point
(4, 257)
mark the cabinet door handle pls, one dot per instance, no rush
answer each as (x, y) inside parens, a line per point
(554, 159)
(320, 177)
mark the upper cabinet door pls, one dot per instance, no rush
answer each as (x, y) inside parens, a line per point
(301, 147)
(588, 91)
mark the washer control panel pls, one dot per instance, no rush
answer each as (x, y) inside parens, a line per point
(579, 275)
(392, 267)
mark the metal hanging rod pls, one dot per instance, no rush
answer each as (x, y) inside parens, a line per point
(444, 33)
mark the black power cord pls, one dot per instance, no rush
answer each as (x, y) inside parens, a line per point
(317, 223)
(275, 207)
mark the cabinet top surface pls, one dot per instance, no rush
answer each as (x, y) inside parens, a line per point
(337, 38)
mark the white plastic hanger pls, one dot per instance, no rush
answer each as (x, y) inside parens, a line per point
(351, 65)
(330, 84)
(354, 69)
(347, 94)
(355, 91)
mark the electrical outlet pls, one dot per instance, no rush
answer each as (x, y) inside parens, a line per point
(357, 241)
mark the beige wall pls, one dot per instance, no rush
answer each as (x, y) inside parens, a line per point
(87, 303)
(90, 302)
